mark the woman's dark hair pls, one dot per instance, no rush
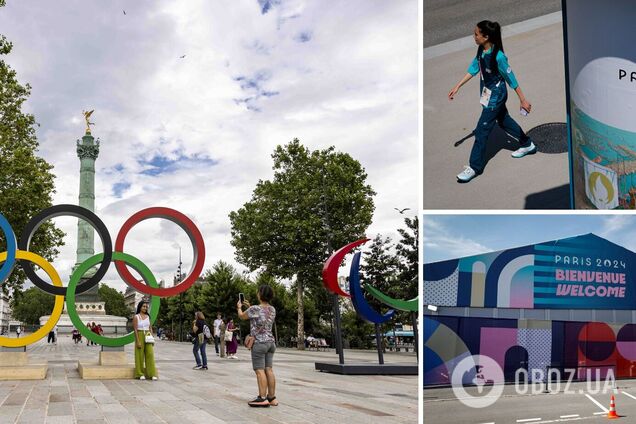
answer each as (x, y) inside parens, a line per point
(140, 304)
(492, 30)
(265, 292)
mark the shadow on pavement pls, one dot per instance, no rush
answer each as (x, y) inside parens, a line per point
(458, 142)
(554, 198)
(551, 137)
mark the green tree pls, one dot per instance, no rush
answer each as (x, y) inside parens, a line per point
(30, 305)
(357, 331)
(408, 256)
(115, 303)
(26, 181)
(316, 202)
(221, 290)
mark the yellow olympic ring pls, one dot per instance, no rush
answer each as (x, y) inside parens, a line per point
(57, 308)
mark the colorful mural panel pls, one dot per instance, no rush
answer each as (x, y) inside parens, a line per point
(529, 345)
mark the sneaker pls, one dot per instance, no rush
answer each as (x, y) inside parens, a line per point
(272, 401)
(143, 377)
(466, 175)
(197, 367)
(522, 151)
(258, 402)
(204, 368)
(154, 379)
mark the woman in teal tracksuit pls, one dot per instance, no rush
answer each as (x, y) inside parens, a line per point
(492, 65)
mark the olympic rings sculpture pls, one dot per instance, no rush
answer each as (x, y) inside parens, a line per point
(364, 310)
(18, 251)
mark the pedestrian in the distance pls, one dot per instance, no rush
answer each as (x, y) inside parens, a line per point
(217, 332)
(144, 350)
(55, 335)
(495, 72)
(200, 341)
(232, 344)
(262, 318)
(222, 328)
(18, 330)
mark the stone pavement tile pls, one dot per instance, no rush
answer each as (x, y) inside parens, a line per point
(120, 418)
(101, 421)
(64, 419)
(105, 399)
(15, 399)
(59, 409)
(198, 415)
(88, 413)
(82, 400)
(32, 416)
(59, 397)
(9, 411)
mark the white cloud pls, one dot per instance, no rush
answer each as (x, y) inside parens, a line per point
(442, 243)
(350, 82)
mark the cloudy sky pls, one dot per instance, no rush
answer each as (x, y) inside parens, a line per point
(455, 236)
(196, 133)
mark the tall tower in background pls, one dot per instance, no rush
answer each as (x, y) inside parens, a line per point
(87, 152)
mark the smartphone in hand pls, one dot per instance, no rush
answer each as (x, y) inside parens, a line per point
(241, 298)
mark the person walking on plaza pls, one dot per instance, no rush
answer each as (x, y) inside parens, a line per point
(18, 330)
(51, 337)
(199, 330)
(144, 350)
(262, 318)
(217, 332)
(495, 72)
(232, 344)
(55, 335)
(222, 328)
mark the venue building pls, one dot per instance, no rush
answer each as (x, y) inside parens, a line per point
(566, 305)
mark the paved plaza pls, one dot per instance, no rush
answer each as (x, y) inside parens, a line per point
(183, 395)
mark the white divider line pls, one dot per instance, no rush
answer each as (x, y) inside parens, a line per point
(528, 420)
(570, 416)
(508, 30)
(605, 410)
(600, 413)
(631, 396)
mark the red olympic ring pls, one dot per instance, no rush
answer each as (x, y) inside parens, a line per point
(195, 238)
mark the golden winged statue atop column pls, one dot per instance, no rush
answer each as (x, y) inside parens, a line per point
(87, 116)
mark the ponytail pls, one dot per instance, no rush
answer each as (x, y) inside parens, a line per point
(492, 30)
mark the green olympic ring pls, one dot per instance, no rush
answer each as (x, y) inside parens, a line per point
(138, 266)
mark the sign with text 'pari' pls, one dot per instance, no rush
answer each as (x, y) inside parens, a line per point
(601, 93)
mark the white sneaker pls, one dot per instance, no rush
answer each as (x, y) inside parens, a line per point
(154, 378)
(143, 377)
(466, 175)
(522, 151)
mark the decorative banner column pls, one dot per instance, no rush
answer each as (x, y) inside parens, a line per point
(600, 64)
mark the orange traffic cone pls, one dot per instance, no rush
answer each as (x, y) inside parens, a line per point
(612, 411)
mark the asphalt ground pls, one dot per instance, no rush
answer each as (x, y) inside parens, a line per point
(539, 181)
(446, 20)
(582, 403)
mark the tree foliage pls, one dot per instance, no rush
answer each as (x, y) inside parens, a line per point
(316, 202)
(115, 303)
(26, 181)
(30, 305)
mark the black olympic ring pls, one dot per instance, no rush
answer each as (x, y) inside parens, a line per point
(78, 212)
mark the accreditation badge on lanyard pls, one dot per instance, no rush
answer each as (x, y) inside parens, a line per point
(484, 100)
